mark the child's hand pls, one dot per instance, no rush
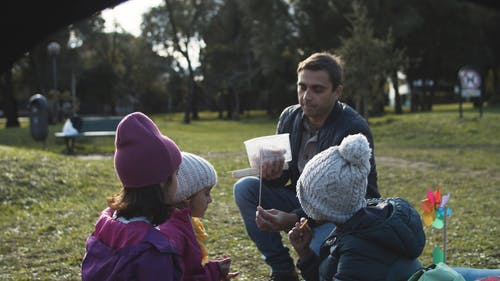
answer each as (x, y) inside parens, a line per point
(300, 237)
(224, 267)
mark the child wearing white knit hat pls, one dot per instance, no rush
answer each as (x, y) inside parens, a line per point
(374, 239)
(195, 179)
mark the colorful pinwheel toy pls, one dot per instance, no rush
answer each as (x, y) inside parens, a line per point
(435, 212)
(434, 209)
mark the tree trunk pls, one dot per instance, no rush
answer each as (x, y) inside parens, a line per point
(495, 98)
(10, 103)
(397, 98)
(430, 100)
(413, 96)
(430, 90)
(365, 109)
(195, 101)
(188, 97)
(359, 105)
(229, 102)
(236, 105)
(187, 107)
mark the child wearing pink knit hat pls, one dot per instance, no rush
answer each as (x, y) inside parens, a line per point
(196, 178)
(125, 244)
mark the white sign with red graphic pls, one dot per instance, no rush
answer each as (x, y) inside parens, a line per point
(470, 82)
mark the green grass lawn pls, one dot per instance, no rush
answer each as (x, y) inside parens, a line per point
(50, 201)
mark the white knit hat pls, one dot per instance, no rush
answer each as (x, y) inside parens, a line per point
(332, 186)
(195, 174)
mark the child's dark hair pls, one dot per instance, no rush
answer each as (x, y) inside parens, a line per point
(146, 201)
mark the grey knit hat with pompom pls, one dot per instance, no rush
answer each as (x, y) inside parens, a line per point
(332, 186)
(195, 173)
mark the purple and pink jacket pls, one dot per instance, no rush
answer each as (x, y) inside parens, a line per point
(133, 250)
(180, 231)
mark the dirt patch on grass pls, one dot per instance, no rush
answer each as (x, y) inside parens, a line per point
(95, 157)
(389, 161)
(398, 162)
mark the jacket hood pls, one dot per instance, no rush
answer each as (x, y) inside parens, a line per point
(116, 251)
(398, 229)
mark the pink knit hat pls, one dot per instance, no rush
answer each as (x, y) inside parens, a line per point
(143, 156)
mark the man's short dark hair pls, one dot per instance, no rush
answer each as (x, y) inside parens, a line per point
(324, 61)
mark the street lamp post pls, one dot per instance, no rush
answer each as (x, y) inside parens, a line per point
(73, 43)
(54, 48)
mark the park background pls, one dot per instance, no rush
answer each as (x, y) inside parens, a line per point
(233, 90)
(234, 55)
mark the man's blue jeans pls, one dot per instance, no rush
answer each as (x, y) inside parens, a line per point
(276, 255)
(471, 274)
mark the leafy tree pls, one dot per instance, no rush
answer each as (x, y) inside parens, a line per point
(249, 51)
(145, 76)
(227, 60)
(118, 69)
(319, 24)
(175, 28)
(365, 58)
(9, 102)
(100, 72)
(273, 43)
(395, 20)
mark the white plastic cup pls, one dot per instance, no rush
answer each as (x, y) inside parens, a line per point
(279, 143)
(267, 143)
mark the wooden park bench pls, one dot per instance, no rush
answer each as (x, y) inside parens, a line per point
(90, 127)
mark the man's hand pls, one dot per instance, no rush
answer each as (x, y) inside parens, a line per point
(273, 168)
(274, 220)
(300, 237)
(272, 162)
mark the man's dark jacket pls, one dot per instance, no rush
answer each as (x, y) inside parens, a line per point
(343, 121)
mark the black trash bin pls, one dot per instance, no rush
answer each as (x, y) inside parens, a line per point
(39, 117)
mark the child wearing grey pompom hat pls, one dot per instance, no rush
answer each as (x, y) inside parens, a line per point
(195, 179)
(374, 239)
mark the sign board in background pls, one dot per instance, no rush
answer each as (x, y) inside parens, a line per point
(470, 83)
(470, 87)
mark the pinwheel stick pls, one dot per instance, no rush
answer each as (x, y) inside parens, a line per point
(444, 233)
(260, 176)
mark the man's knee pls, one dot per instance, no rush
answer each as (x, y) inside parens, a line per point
(244, 189)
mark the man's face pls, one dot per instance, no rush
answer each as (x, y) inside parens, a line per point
(316, 94)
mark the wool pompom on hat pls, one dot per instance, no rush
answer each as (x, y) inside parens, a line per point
(332, 186)
(143, 156)
(195, 174)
